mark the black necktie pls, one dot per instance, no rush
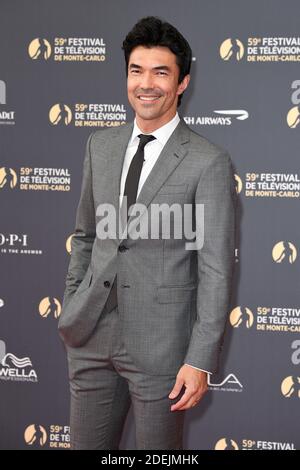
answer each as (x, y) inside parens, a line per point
(130, 190)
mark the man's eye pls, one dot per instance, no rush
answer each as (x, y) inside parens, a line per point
(163, 73)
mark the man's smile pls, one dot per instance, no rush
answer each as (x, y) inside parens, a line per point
(149, 98)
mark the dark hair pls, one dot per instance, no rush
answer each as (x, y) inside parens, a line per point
(152, 31)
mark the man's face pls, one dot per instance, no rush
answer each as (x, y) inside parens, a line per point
(152, 85)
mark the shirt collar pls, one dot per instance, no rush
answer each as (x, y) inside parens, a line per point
(162, 134)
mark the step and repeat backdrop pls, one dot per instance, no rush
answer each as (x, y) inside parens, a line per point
(62, 75)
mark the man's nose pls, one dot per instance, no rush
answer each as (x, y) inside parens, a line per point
(147, 81)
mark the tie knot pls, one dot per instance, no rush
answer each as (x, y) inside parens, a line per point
(144, 139)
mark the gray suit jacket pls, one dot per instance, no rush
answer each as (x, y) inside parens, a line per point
(173, 303)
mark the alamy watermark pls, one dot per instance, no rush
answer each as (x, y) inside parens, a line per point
(175, 221)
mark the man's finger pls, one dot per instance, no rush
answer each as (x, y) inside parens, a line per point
(191, 402)
(195, 398)
(176, 389)
(183, 400)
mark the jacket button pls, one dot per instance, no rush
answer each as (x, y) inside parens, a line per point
(106, 283)
(122, 248)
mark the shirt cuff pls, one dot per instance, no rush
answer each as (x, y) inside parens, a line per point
(198, 368)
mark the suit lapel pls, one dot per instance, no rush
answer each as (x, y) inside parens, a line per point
(116, 154)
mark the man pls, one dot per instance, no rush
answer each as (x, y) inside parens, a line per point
(143, 318)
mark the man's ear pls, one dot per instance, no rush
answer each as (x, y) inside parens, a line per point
(184, 84)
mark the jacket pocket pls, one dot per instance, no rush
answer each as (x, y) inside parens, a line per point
(174, 294)
(173, 189)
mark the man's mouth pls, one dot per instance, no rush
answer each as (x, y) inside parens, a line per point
(148, 97)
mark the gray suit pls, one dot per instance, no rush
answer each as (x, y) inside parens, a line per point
(176, 305)
(172, 302)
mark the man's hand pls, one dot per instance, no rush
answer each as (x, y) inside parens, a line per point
(195, 382)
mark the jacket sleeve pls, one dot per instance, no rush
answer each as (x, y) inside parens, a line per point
(216, 190)
(85, 230)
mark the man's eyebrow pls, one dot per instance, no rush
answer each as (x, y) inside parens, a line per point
(158, 67)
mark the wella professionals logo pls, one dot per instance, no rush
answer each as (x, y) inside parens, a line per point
(229, 384)
(14, 368)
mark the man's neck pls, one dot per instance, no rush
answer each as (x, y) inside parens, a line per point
(152, 125)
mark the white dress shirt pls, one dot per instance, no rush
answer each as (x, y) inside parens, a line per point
(151, 153)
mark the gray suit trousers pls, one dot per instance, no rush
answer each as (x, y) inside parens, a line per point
(104, 381)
